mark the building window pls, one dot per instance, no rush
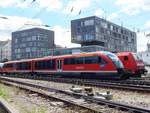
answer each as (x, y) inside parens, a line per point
(88, 22)
(102, 30)
(28, 49)
(111, 27)
(89, 37)
(78, 30)
(104, 24)
(23, 34)
(28, 39)
(97, 29)
(33, 38)
(78, 37)
(16, 40)
(78, 23)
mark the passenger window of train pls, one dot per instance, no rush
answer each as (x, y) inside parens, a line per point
(40, 64)
(69, 61)
(72, 61)
(66, 61)
(51, 64)
(91, 60)
(48, 64)
(88, 60)
(79, 60)
(23, 66)
(8, 65)
(125, 58)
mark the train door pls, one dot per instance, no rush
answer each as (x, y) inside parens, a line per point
(59, 65)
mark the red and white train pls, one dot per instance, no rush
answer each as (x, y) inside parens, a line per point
(101, 64)
(132, 63)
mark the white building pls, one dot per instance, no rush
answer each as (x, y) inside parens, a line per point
(145, 55)
(5, 50)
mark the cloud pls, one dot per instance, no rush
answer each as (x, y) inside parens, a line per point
(8, 3)
(133, 7)
(99, 12)
(63, 37)
(49, 5)
(15, 3)
(147, 25)
(14, 23)
(113, 16)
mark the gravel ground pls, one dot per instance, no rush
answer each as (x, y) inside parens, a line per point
(27, 102)
(148, 68)
(122, 96)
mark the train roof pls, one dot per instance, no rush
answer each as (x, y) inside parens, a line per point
(25, 60)
(61, 56)
(69, 55)
(124, 53)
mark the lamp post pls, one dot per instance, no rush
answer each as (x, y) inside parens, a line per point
(1, 54)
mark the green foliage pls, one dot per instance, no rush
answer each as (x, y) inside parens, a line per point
(39, 110)
(4, 93)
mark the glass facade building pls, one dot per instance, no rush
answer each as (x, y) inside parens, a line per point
(97, 31)
(31, 43)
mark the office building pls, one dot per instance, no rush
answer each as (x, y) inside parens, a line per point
(5, 50)
(31, 43)
(97, 31)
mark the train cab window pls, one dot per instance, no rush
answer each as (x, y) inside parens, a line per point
(125, 58)
(102, 61)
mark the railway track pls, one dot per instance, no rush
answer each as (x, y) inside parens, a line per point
(91, 99)
(6, 108)
(133, 85)
(53, 94)
(3, 109)
(116, 85)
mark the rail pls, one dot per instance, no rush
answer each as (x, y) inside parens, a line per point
(111, 104)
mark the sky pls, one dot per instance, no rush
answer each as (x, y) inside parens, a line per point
(23, 14)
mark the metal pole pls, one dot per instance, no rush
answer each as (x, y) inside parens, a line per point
(1, 54)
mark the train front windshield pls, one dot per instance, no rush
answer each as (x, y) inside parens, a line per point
(137, 58)
(114, 58)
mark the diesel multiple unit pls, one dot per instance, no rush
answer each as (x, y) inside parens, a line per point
(100, 64)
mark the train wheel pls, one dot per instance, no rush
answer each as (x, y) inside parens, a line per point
(124, 76)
